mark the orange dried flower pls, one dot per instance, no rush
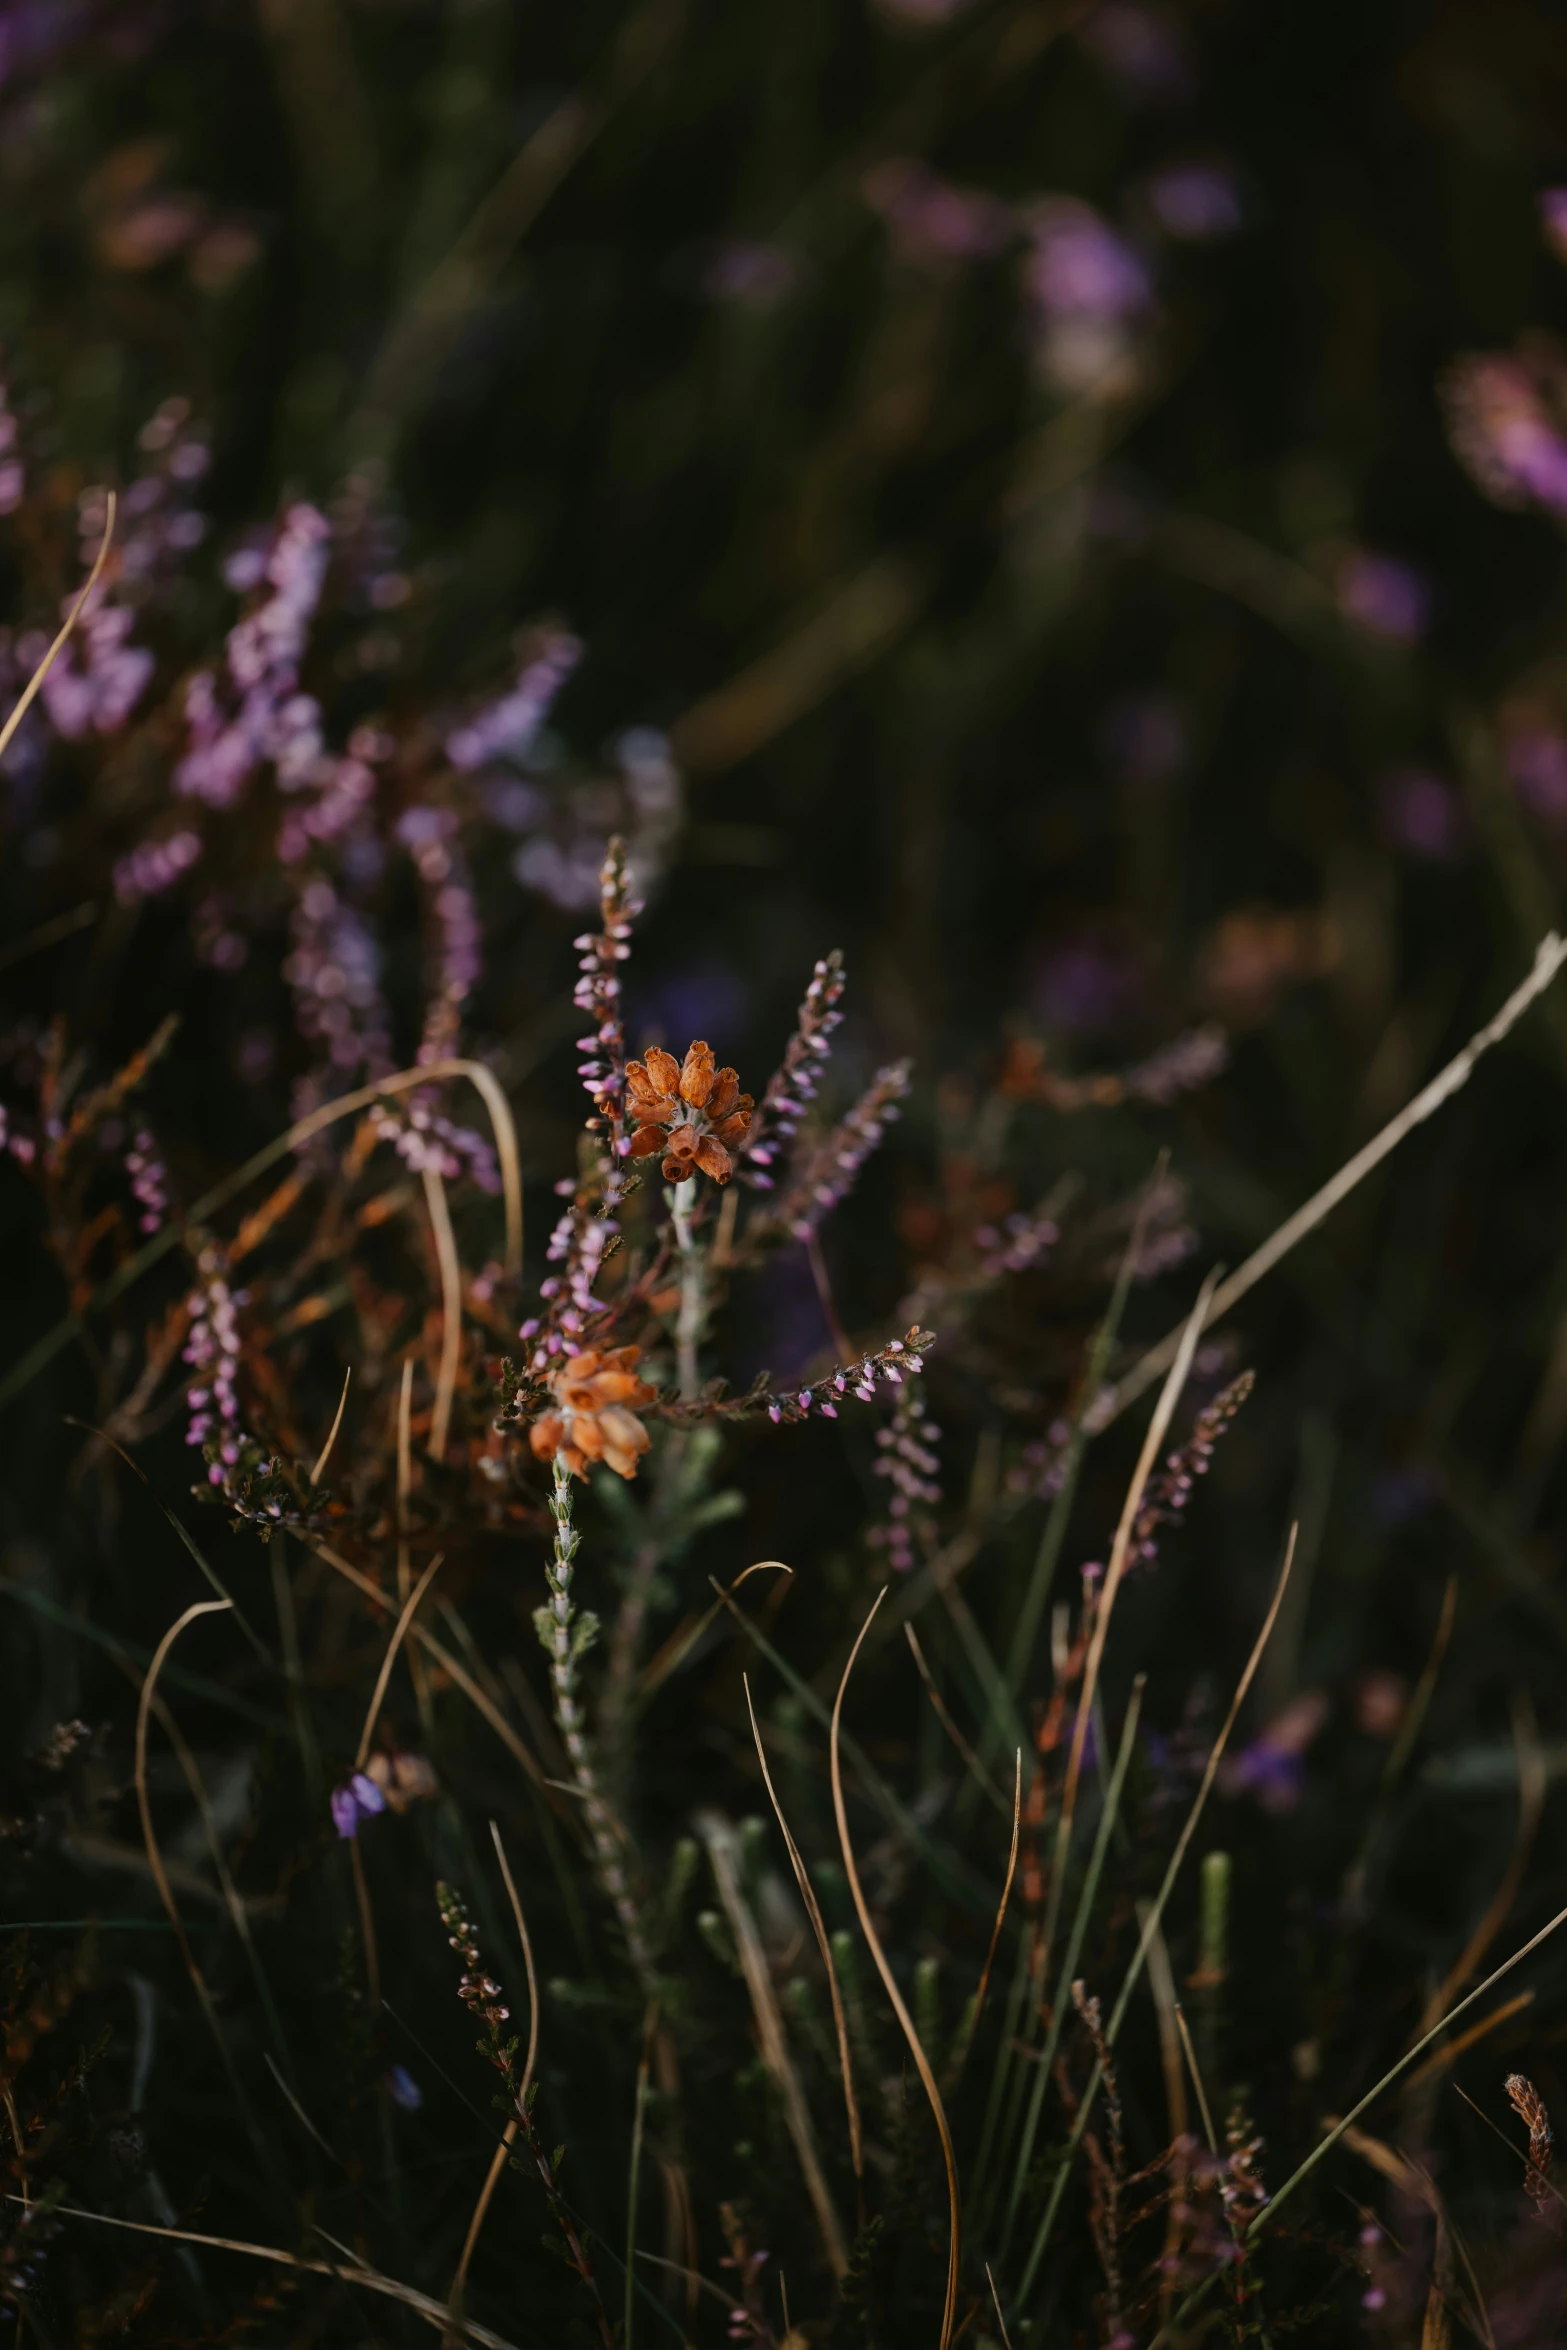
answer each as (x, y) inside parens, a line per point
(694, 1113)
(597, 1398)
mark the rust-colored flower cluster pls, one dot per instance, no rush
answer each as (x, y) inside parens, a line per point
(695, 1114)
(594, 1416)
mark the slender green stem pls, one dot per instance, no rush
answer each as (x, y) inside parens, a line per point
(633, 2191)
(1069, 1958)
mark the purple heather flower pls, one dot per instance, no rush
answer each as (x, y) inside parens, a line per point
(1083, 987)
(923, 12)
(929, 220)
(1537, 763)
(748, 272)
(1553, 220)
(155, 866)
(1081, 268)
(356, 1798)
(1421, 814)
(1502, 422)
(1145, 736)
(1273, 1766)
(508, 729)
(1140, 50)
(1387, 598)
(403, 2089)
(1196, 201)
(1089, 293)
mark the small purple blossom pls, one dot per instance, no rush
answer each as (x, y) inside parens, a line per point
(507, 729)
(792, 1089)
(930, 221)
(823, 1176)
(403, 2089)
(154, 866)
(354, 1799)
(748, 272)
(212, 1351)
(1196, 202)
(1553, 220)
(273, 720)
(1080, 268)
(1387, 598)
(149, 1182)
(1141, 51)
(908, 1460)
(1504, 416)
(1421, 814)
(1145, 735)
(1537, 764)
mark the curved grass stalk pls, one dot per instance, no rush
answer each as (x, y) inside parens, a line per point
(819, 1929)
(30, 690)
(1059, 2006)
(1154, 1914)
(125, 1276)
(905, 2020)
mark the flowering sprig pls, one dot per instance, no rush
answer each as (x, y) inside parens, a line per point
(1169, 1490)
(825, 1175)
(906, 1457)
(507, 728)
(274, 720)
(212, 1350)
(793, 1086)
(582, 1240)
(900, 1359)
(485, 2000)
(1018, 1243)
(149, 1182)
(598, 993)
(1182, 1066)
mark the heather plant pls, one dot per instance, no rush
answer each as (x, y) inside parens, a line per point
(784, 1415)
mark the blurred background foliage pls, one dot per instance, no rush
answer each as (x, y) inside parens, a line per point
(1013, 453)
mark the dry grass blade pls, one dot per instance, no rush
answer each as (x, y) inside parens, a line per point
(527, 1960)
(1154, 1913)
(347, 1105)
(1445, 2058)
(1552, 1926)
(1161, 1982)
(679, 1645)
(723, 1851)
(905, 2020)
(440, 1655)
(1006, 1890)
(149, 1690)
(405, 1618)
(1192, 2066)
(971, 1761)
(451, 1310)
(1158, 1429)
(319, 1471)
(354, 2274)
(30, 690)
(1006, 2338)
(1548, 960)
(1531, 1803)
(819, 1929)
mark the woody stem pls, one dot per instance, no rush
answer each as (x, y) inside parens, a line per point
(563, 1649)
(693, 1289)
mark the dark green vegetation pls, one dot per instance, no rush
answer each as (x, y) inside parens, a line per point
(1063, 504)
